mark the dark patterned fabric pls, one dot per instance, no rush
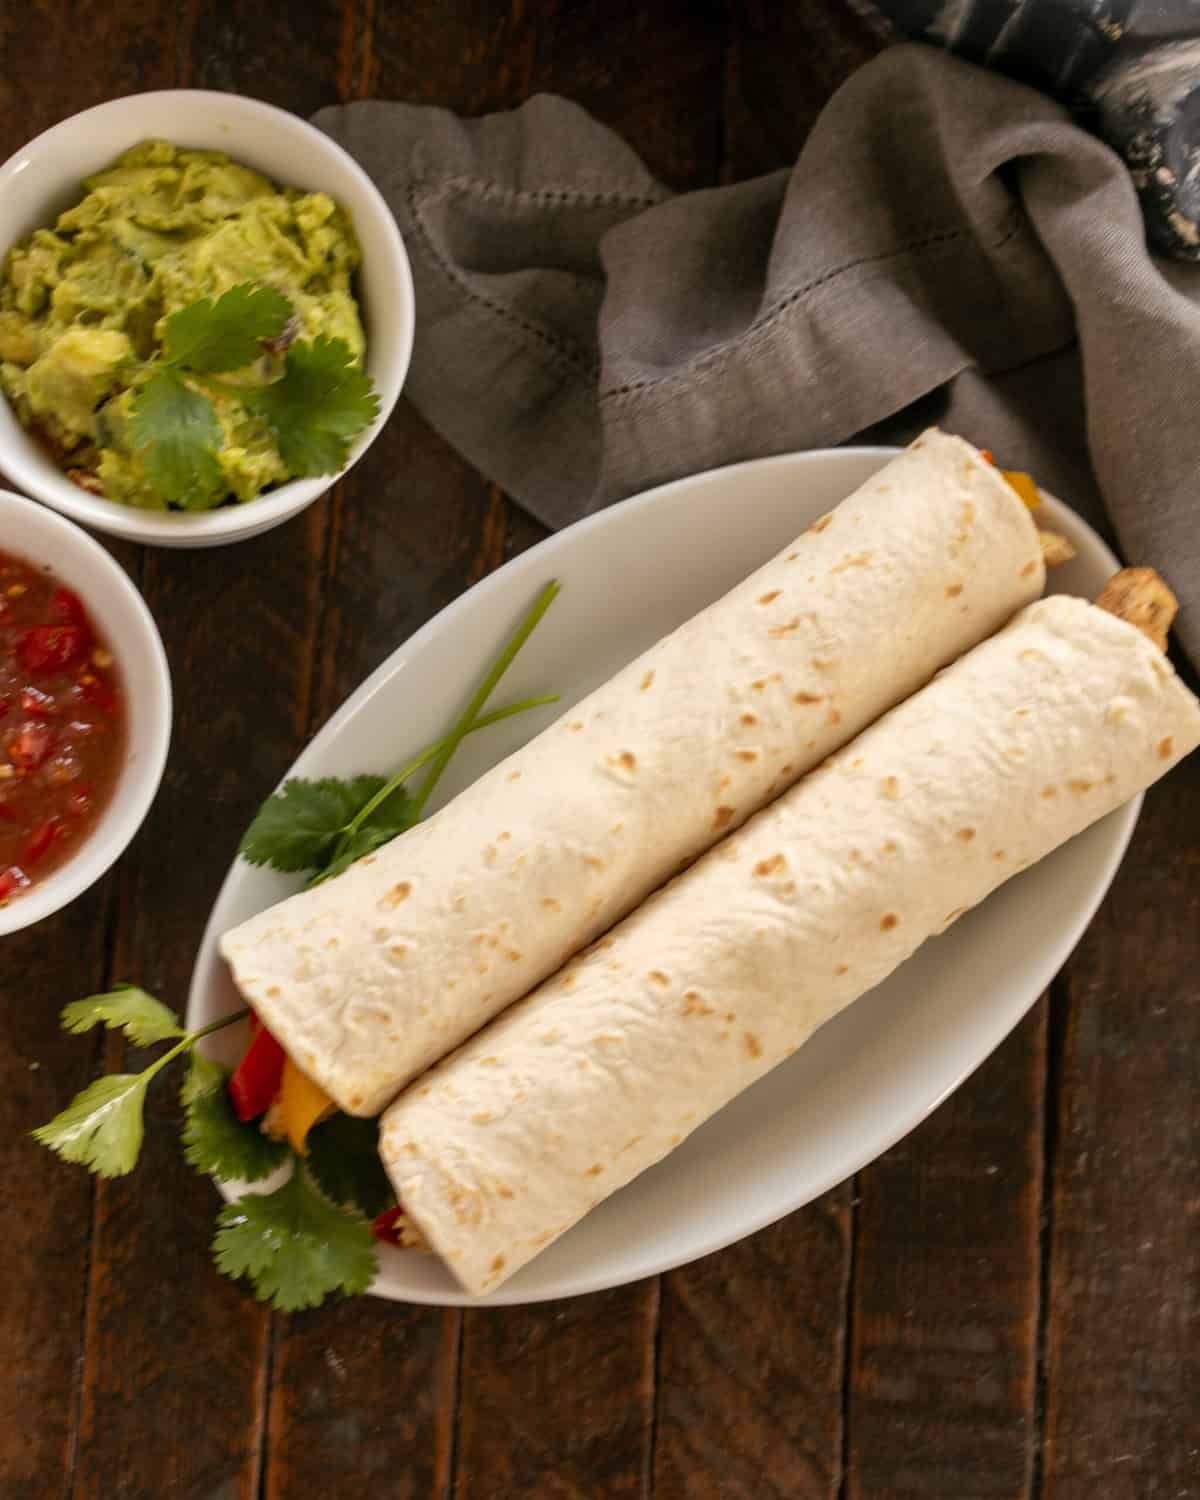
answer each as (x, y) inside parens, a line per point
(1130, 69)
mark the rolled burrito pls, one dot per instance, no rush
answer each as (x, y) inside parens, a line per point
(369, 978)
(602, 1070)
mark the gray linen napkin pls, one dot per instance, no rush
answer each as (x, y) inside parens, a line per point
(949, 247)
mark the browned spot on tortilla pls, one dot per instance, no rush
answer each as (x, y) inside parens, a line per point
(369, 860)
(504, 1192)
(749, 719)
(1029, 567)
(766, 598)
(594, 861)
(955, 914)
(398, 950)
(998, 854)
(888, 921)
(489, 1062)
(1109, 779)
(858, 560)
(723, 783)
(459, 902)
(627, 759)
(693, 1004)
(648, 679)
(482, 1117)
(1028, 652)
(824, 663)
(966, 834)
(752, 1044)
(1165, 747)
(575, 726)
(842, 969)
(514, 776)
(954, 590)
(777, 632)
(1049, 791)
(891, 788)
(499, 1263)
(273, 990)
(500, 837)
(512, 955)
(594, 1170)
(792, 556)
(821, 523)
(770, 866)
(833, 717)
(803, 697)
(1080, 784)
(746, 754)
(333, 942)
(657, 976)
(723, 816)
(552, 902)
(890, 847)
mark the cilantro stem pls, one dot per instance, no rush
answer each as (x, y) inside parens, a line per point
(189, 1039)
(482, 693)
(426, 755)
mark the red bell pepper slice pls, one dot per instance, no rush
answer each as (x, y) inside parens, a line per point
(51, 648)
(255, 1081)
(386, 1226)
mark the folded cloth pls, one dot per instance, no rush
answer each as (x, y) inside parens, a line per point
(948, 248)
(1130, 68)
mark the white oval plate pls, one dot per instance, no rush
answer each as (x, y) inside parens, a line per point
(629, 575)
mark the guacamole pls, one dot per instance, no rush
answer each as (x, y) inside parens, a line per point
(83, 306)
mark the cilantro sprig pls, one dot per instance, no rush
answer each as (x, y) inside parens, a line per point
(315, 407)
(325, 825)
(310, 1236)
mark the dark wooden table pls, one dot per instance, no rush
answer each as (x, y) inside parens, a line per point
(1006, 1305)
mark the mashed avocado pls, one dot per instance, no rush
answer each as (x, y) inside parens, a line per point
(82, 306)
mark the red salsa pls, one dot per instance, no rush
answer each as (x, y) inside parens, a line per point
(62, 724)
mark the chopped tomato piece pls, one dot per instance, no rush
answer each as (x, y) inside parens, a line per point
(38, 843)
(12, 880)
(5, 705)
(79, 803)
(51, 648)
(30, 746)
(97, 691)
(34, 701)
(255, 1081)
(66, 608)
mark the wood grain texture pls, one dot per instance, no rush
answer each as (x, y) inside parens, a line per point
(784, 62)
(167, 1337)
(1123, 1319)
(945, 1307)
(751, 1363)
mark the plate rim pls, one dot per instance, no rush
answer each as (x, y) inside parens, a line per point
(1050, 962)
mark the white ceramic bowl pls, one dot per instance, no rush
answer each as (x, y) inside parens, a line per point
(122, 620)
(45, 177)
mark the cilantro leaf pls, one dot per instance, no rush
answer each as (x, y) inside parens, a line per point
(394, 816)
(214, 1139)
(211, 337)
(294, 1247)
(343, 1157)
(322, 402)
(125, 1007)
(298, 826)
(102, 1126)
(178, 434)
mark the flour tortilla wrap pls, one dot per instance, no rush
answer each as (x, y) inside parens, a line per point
(606, 1067)
(369, 978)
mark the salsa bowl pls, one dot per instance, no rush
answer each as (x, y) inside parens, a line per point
(45, 177)
(46, 542)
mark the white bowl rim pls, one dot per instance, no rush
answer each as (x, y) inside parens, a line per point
(108, 840)
(236, 522)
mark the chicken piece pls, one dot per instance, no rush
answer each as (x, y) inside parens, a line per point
(1056, 550)
(1140, 597)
